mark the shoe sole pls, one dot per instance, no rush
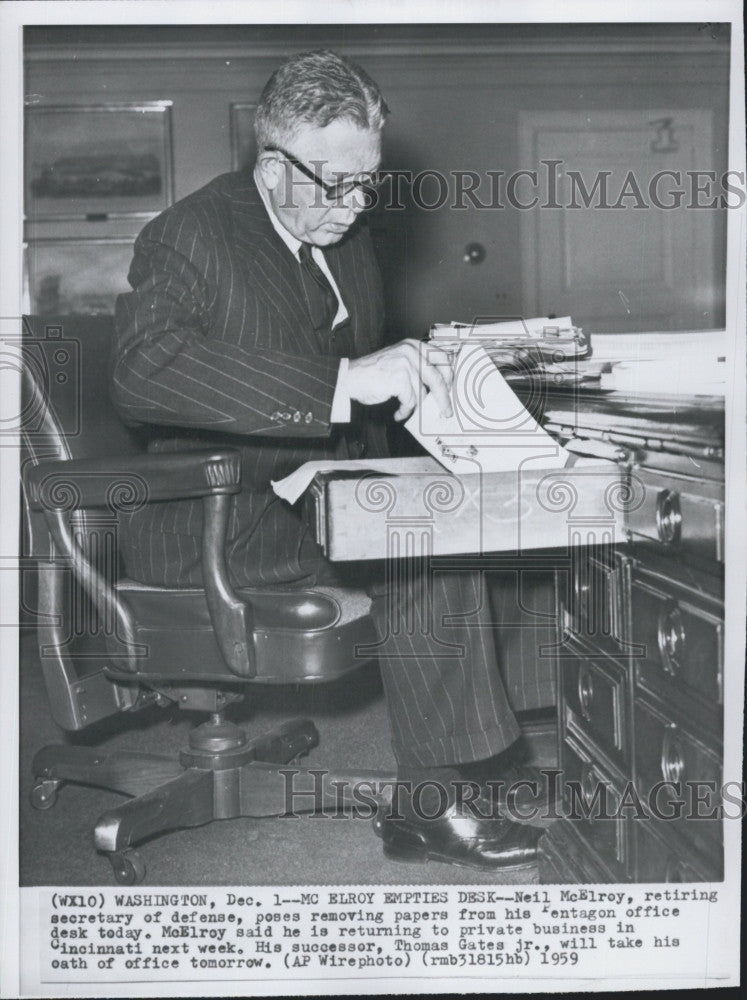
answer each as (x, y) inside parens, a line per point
(442, 859)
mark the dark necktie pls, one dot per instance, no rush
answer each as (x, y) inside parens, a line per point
(322, 299)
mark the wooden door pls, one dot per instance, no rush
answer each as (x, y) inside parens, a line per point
(613, 255)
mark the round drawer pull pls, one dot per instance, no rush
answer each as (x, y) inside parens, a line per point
(670, 634)
(668, 517)
(581, 591)
(672, 757)
(589, 784)
(585, 691)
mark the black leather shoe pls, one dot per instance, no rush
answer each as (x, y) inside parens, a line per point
(525, 789)
(459, 838)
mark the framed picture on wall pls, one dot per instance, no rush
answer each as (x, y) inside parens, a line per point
(98, 161)
(65, 276)
(243, 143)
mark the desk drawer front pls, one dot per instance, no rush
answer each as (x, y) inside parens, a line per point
(595, 702)
(595, 603)
(682, 515)
(591, 601)
(660, 856)
(666, 752)
(681, 641)
(415, 514)
(607, 833)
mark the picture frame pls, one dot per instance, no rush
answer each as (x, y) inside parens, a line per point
(243, 141)
(67, 276)
(98, 161)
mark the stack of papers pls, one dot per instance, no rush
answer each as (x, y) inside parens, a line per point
(521, 345)
(512, 331)
(684, 363)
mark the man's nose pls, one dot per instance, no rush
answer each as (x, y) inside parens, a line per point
(355, 203)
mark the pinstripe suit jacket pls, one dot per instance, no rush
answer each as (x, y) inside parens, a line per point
(215, 344)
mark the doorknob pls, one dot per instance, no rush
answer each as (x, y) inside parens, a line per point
(474, 253)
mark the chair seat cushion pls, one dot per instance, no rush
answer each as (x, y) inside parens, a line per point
(309, 609)
(304, 635)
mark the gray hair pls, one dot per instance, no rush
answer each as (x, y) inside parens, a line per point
(317, 88)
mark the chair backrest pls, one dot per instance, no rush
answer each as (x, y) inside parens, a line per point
(67, 411)
(67, 414)
(108, 644)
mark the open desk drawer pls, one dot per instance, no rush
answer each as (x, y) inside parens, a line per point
(428, 511)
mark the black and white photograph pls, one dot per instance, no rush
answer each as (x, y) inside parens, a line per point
(373, 498)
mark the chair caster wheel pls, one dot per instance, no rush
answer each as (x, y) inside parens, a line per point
(44, 794)
(128, 867)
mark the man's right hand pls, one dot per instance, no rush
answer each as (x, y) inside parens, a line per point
(401, 371)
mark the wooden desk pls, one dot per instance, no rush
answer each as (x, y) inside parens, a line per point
(639, 606)
(640, 666)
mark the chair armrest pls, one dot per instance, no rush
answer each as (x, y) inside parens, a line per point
(123, 484)
(127, 482)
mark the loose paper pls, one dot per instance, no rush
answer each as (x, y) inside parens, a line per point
(489, 429)
(294, 485)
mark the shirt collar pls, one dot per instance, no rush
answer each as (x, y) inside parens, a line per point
(289, 239)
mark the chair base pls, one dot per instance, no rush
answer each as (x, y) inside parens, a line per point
(221, 775)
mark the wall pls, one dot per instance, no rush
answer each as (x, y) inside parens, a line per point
(456, 95)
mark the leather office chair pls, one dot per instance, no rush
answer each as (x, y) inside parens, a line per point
(110, 645)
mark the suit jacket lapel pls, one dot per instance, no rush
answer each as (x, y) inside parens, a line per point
(272, 273)
(276, 278)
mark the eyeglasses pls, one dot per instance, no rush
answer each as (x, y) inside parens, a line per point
(332, 192)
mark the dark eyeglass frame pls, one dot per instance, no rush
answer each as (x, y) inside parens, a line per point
(333, 192)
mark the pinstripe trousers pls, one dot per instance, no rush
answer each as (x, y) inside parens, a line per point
(437, 653)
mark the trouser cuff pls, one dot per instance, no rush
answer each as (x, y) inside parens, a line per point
(459, 748)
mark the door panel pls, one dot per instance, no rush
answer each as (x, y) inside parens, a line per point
(610, 257)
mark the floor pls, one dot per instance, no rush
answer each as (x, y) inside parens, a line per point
(57, 846)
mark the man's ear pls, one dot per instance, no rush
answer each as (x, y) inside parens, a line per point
(270, 169)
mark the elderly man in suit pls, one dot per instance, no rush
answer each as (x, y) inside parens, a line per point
(256, 319)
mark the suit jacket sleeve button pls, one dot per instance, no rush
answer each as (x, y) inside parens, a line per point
(296, 417)
(309, 417)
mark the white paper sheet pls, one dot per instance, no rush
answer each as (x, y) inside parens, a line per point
(489, 430)
(294, 485)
